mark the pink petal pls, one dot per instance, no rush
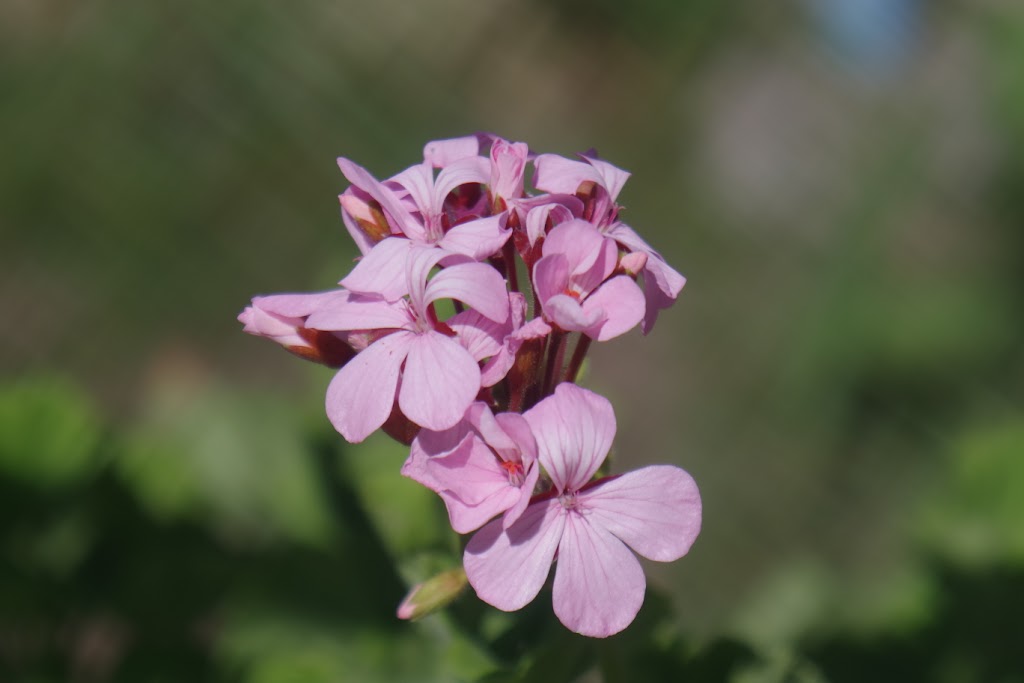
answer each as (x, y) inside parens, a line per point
(579, 241)
(569, 315)
(480, 336)
(440, 381)
(508, 162)
(612, 177)
(621, 303)
(513, 513)
(383, 271)
(299, 305)
(574, 429)
(561, 175)
(461, 172)
(361, 395)
(440, 153)
(655, 510)
(360, 313)
(550, 276)
(422, 259)
(477, 239)
(471, 482)
(418, 181)
(398, 215)
(477, 285)
(537, 219)
(517, 429)
(599, 585)
(507, 568)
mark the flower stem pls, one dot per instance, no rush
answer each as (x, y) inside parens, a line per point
(578, 354)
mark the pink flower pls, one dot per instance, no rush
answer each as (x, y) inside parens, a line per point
(508, 166)
(662, 283)
(481, 467)
(282, 318)
(574, 284)
(439, 377)
(589, 528)
(414, 204)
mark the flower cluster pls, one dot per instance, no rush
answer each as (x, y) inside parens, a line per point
(461, 331)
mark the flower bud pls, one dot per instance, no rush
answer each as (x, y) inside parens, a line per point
(433, 594)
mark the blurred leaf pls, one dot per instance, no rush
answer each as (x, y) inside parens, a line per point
(243, 459)
(49, 432)
(977, 518)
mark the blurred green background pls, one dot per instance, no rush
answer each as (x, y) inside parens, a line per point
(842, 181)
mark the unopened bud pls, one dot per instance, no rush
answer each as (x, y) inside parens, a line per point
(633, 263)
(433, 594)
(368, 215)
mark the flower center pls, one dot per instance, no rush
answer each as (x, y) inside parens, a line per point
(569, 501)
(515, 472)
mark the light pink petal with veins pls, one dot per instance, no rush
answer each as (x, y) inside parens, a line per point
(440, 153)
(477, 239)
(477, 285)
(558, 174)
(507, 568)
(480, 336)
(620, 302)
(418, 181)
(612, 177)
(574, 429)
(439, 383)
(422, 259)
(383, 271)
(361, 395)
(360, 313)
(460, 172)
(398, 215)
(599, 584)
(469, 479)
(508, 162)
(655, 510)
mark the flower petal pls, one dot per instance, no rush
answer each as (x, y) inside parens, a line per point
(507, 568)
(550, 276)
(383, 270)
(560, 175)
(622, 305)
(477, 285)
(361, 395)
(470, 480)
(599, 585)
(574, 429)
(398, 215)
(569, 315)
(360, 313)
(440, 381)
(655, 510)
(440, 153)
(460, 172)
(477, 239)
(612, 177)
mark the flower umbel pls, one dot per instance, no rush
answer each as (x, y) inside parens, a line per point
(532, 268)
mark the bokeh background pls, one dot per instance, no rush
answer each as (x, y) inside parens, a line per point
(842, 181)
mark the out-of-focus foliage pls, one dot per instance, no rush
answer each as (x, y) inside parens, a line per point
(843, 374)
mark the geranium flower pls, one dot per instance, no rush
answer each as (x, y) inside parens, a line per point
(662, 283)
(439, 377)
(574, 285)
(481, 467)
(588, 528)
